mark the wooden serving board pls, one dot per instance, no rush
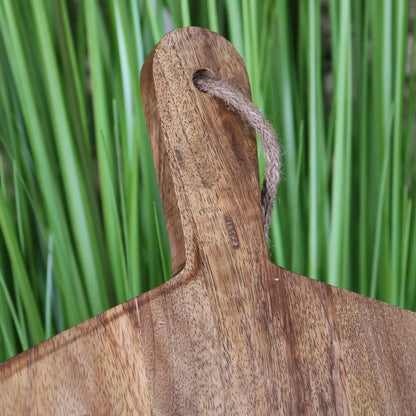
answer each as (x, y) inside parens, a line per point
(231, 333)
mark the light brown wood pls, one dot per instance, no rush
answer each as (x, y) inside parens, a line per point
(231, 333)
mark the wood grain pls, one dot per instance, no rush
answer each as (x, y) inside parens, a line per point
(231, 333)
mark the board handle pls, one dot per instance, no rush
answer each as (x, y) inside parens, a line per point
(211, 203)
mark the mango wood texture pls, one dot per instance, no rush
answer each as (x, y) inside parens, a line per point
(231, 333)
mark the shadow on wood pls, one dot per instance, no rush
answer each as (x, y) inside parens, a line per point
(231, 333)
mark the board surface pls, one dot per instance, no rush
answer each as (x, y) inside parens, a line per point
(231, 333)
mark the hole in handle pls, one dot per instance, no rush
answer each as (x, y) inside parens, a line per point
(200, 75)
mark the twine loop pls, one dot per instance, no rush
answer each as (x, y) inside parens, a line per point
(239, 103)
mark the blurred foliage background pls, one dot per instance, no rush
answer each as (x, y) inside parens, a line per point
(81, 224)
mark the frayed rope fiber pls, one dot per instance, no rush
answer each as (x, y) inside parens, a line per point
(237, 102)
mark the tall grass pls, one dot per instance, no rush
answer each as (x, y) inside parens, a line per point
(81, 224)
